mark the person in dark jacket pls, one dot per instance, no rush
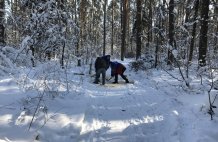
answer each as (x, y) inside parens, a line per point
(101, 66)
(118, 69)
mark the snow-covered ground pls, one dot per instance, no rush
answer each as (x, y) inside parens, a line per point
(156, 108)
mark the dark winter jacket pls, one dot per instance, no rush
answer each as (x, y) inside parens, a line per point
(107, 60)
(102, 62)
(117, 68)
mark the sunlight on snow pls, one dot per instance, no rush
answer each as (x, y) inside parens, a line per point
(59, 121)
(5, 88)
(152, 119)
(5, 80)
(23, 119)
(117, 126)
(5, 119)
(175, 112)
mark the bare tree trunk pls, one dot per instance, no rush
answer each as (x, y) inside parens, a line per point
(132, 38)
(128, 26)
(2, 28)
(139, 29)
(158, 35)
(14, 12)
(61, 5)
(112, 29)
(187, 11)
(193, 32)
(171, 32)
(62, 56)
(150, 23)
(82, 12)
(216, 28)
(123, 46)
(75, 30)
(105, 14)
(121, 14)
(203, 32)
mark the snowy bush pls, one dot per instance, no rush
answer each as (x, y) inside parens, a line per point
(9, 59)
(142, 64)
(12, 57)
(47, 78)
(45, 82)
(48, 29)
(137, 65)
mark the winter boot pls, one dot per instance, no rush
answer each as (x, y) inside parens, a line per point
(96, 81)
(116, 79)
(125, 78)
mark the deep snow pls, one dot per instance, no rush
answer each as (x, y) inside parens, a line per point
(156, 108)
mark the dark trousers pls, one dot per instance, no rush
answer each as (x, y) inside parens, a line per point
(100, 72)
(122, 75)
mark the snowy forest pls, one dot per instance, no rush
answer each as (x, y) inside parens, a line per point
(169, 49)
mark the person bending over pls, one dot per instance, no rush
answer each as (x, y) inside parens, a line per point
(118, 69)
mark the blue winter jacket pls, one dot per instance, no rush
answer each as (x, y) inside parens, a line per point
(117, 68)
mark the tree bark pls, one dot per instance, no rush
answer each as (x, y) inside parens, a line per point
(2, 28)
(123, 46)
(171, 32)
(105, 14)
(216, 28)
(61, 5)
(112, 29)
(187, 12)
(138, 28)
(203, 32)
(150, 23)
(81, 24)
(193, 32)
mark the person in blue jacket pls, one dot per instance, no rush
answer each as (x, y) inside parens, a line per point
(101, 66)
(118, 69)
